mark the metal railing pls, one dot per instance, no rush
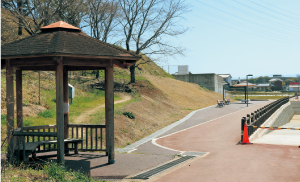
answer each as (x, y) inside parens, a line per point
(260, 116)
(92, 136)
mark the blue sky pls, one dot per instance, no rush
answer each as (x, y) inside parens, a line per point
(261, 37)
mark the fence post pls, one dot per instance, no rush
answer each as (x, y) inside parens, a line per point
(242, 127)
(252, 123)
(248, 119)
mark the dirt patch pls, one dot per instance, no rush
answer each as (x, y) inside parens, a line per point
(84, 117)
(30, 110)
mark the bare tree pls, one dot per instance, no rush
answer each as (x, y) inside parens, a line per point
(147, 23)
(33, 14)
(102, 19)
(74, 13)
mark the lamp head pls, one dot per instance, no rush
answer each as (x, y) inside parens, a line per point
(249, 75)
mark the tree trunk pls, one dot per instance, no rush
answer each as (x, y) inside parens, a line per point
(132, 73)
(97, 74)
(20, 8)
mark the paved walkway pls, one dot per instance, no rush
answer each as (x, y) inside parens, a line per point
(213, 130)
(227, 161)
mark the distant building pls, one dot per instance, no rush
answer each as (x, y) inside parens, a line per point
(227, 78)
(276, 84)
(294, 86)
(211, 81)
(262, 86)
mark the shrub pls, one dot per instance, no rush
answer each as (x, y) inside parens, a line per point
(129, 115)
(47, 114)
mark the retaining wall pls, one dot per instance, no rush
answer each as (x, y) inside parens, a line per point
(210, 80)
(296, 106)
(281, 117)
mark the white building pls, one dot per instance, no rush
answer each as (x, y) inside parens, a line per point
(227, 78)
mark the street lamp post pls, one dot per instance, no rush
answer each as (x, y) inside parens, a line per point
(247, 87)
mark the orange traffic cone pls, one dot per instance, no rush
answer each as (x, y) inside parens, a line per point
(245, 136)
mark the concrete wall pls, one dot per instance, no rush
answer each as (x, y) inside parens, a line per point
(210, 80)
(281, 117)
(296, 106)
(184, 78)
(218, 84)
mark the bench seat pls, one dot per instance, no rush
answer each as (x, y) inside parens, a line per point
(30, 147)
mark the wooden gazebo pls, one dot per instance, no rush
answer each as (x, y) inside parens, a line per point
(59, 47)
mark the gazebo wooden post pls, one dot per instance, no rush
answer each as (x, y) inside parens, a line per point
(109, 113)
(19, 98)
(59, 111)
(66, 105)
(10, 110)
(106, 119)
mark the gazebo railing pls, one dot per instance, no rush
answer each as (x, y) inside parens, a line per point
(92, 136)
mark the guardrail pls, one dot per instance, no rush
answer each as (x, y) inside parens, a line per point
(92, 136)
(260, 116)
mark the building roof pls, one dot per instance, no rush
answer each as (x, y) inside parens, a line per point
(63, 39)
(60, 24)
(244, 85)
(275, 79)
(263, 85)
(225, 75)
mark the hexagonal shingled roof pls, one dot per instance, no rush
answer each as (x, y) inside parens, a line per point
(63, 39)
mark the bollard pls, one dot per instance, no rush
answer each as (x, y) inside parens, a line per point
(242, 127)
(252, 123)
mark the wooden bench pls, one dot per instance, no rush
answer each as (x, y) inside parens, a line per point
(220, 103)
(227, 102)
(30, 147)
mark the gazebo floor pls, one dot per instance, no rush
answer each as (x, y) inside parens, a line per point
(95, 164)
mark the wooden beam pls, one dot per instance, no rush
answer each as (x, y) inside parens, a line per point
(66, 102)
(86, 62)
(20, 133)
(120, 64)
(79, 68)
(38, 68)
(19, 109)
(39, 127)
(10, 110)
(109, 112)
(60, 112)
(36, 61)
(87, 125)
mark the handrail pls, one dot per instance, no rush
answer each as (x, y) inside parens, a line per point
(39, 127)
(87, 125)
(20, 133)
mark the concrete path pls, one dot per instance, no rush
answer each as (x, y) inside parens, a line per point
(283, 137)
(226, 160)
